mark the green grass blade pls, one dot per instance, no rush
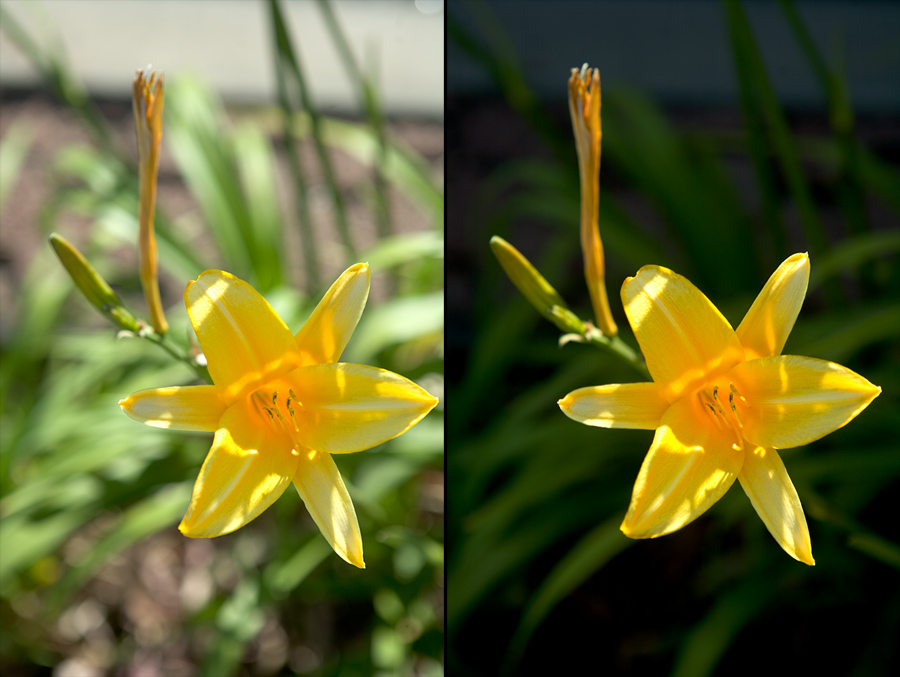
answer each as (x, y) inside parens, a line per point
(368, 97)
(753, 74)
(709, 639)
(13, 152)
(590, 554)
(255, 163)
(288, 57)
(283, 65)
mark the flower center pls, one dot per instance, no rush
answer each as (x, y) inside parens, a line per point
(724, 404)
(280, 408)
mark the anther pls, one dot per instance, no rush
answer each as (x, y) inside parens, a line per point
(715, 414)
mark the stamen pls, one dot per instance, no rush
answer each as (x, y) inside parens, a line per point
(280, 412)
(715, 414)
(729, 417)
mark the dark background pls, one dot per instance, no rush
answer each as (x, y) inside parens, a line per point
(720, 584)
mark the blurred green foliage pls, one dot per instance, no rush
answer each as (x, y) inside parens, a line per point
(539, 575)
(93, 574)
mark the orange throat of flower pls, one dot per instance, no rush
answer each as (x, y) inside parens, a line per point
(281, 409)
(722, 402)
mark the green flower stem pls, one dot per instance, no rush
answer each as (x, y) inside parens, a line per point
(176, 352)
(616, 346)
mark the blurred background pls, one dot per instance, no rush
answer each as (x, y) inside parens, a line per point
(299, 137)
(734, 135)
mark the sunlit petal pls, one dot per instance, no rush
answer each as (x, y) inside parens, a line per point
(767, 484)
(244, 340)
(690, 466)
(177, 407)
(767, 324)
(351, 407)
(795, 400)
(248, 468)
(684, 338)
(322, 489)
(629, 405)
(327, 331)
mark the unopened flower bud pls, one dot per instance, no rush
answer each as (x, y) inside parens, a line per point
(91, 284)
(535, 287)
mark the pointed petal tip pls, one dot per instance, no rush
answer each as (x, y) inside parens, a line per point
(627, 529)
(189, 531)
(803, 259)
(802, 557)
(361, 266)
(350, 557)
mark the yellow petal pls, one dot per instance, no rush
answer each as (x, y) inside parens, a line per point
(350, 407)
(177, 407)
(684, 337)
(629, 405)
(795, 400)
(690, 466)
(322, 489)
(775, 500)
(767, 324)
(326, 333)
(247, 469)
(244, 340)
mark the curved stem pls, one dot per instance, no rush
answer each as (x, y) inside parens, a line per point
(166, 344)
(618, 347)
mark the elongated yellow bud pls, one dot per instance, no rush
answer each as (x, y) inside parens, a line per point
(584, 108)
(91, 284)
(148, 107)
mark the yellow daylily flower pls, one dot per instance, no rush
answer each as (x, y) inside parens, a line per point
(280, 406)
(721, 402)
